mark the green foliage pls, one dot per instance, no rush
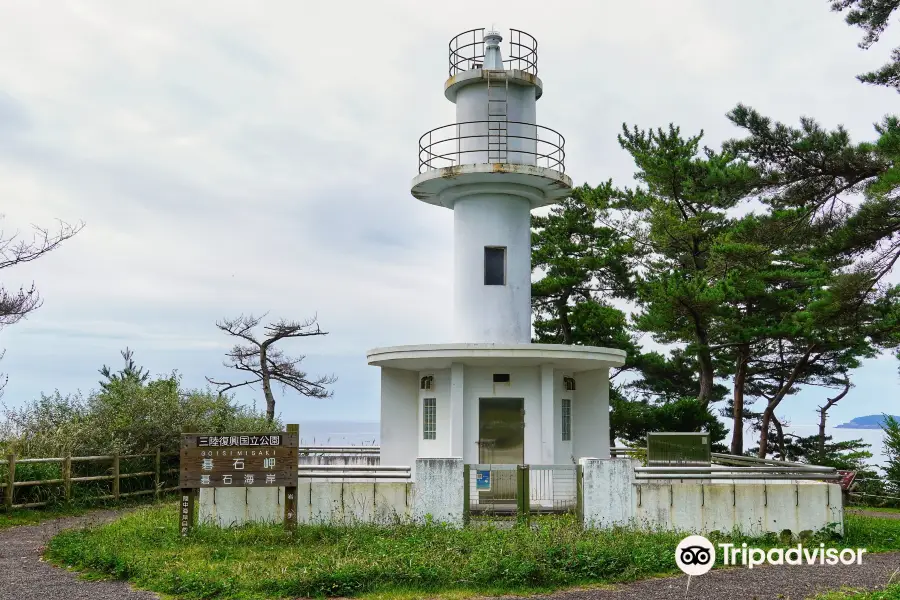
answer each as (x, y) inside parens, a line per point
(872, 16)
(891, 429)
(129, 415)
(130, 372)
(631, 421)
(263, 561)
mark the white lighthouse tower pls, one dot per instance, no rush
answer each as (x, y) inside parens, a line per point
(490, 395)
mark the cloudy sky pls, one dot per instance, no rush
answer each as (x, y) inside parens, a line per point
(233, 157)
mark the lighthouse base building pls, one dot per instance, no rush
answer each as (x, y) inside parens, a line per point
(539, 404)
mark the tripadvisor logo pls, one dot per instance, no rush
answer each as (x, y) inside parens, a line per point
(696, 555)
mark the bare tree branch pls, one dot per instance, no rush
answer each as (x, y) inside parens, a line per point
(266, 363)
(15, 306)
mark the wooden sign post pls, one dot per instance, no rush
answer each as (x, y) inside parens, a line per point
(239, 460)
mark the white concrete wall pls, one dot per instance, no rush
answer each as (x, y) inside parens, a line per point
(348, 503)
(613, 497)
(231, 507)
(341, 459)
(400, 427)
(563, 451)
(441, 393)
(491, 313)
(590, 415)
(438, 491)
(472, 105)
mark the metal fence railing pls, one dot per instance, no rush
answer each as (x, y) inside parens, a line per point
(362, 473)
(521, 490)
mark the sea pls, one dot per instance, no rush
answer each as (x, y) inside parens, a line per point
(366, 433)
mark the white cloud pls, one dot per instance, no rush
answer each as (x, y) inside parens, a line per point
(234, 157)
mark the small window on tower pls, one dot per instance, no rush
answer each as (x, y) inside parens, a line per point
(501, 377)
(427, 383)
(494, 265)
(570, 383)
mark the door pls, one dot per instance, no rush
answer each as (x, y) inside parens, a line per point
(501, 441)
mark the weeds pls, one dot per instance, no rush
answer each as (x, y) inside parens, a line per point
(263, 561)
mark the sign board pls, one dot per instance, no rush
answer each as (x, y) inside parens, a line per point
(238, 460)
(483, 480)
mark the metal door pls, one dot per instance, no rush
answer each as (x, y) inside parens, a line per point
(501, 431)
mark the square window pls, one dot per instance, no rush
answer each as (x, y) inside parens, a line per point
(494, 265)
(429, 419)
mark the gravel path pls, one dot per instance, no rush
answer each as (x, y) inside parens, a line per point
(24, 576)
(776, 582)
(874, 513)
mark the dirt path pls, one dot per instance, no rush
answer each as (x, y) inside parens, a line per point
(24, 576)
(873, 513)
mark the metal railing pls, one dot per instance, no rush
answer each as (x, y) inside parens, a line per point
(467, 52)
(479, 142)
(365, 472)
(729, 466)
(521, 489)
(313, 450)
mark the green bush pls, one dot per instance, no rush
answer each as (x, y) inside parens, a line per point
(127, 416)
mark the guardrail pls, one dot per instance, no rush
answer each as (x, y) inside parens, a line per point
(729, 466)
(489, 142)
(313, 450)
(354, 472)
(66, 479)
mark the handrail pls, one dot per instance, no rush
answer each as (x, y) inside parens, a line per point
(522, 53)
(431, 158)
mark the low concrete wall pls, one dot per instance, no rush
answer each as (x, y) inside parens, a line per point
(347, 503)
(439, 491)
(230, 507)
(613, 497)
(340, 459)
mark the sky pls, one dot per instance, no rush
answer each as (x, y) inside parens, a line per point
(242, 157)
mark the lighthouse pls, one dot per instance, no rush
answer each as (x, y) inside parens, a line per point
(490, 396)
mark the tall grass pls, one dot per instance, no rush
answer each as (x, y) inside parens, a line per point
(264, 561)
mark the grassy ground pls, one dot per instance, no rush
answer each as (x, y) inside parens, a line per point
(35, 516)
(876, 509)
(892, 592)
(263, 561)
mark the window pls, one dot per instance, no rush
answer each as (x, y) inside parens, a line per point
(429, 419)
(427, 383)
(570, 383)
(566, 420)
(494, 266)
(501, 377)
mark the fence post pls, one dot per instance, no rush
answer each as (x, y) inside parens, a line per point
(290, 491)
(523, 494)
(467, 508)
(10, 480)
(579, 493)
(115, 468)
(156, 480)
(67, 477)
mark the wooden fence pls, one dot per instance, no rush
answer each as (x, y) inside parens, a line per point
(116, 476)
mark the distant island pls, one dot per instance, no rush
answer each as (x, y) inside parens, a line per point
(867, 422)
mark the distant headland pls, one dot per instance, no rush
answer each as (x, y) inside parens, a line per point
(867, 422)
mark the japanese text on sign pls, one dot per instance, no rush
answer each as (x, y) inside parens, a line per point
(238, 440)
